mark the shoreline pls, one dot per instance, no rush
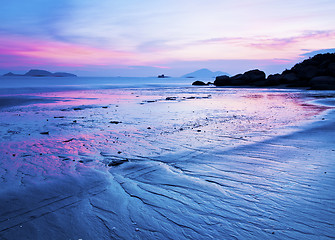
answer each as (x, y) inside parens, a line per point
(274, 187)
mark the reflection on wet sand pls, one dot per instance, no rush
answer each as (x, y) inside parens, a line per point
(166, 163)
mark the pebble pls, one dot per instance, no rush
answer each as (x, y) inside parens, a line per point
(114, 122)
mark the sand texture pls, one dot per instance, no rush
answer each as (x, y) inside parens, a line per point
(167, 163)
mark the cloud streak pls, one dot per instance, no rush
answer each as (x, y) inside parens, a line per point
(274, 43)
(59, 53)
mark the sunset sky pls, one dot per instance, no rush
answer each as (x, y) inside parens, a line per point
(174, 37)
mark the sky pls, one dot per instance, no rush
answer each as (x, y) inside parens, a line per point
(172, 37)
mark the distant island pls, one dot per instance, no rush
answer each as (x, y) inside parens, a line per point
(316, 73)
(40, 73)
(204, 73)
(163, 76)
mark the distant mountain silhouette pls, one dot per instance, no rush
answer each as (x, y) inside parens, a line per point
(10, 74)
(63, 74)
(40, 73)
(205, 73)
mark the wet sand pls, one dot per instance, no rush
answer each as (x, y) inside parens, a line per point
(168, 164)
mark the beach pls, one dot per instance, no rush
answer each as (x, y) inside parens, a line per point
(166, 161)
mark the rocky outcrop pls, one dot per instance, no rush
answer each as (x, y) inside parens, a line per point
(223, 80)
(308, 72)
(317, 72)
(273, 79)
(254, 76)
(162, 76)
(199, 83)
(322, 83)
(251, 77)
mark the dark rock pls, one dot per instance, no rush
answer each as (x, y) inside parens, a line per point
(44, 133)
(286, 71)
(331, 69)
(299, 83)
(317, 72)
(238, 80)
(254, 76)
(117, 162)
(274, 79)
(162, 76)
(115, 122)
(307, 72)
(322, 80)
(289, 78)
(261, 83)
(223, 80)
(319, 65)
(199, 83)
(171, 98)
(322, 83)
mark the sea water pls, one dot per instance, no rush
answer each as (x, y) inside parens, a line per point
(56, 83)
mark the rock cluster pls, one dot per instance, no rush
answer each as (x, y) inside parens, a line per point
(317, 72)
(199, 83)
(252, 77)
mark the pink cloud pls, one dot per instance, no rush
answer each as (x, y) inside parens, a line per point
(26, 51)
(268, 42)
(275, 43)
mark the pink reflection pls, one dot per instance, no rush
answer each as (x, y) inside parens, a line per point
(88, 97)
(43, 158)
(87, 137)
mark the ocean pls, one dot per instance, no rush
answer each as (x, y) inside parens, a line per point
(56, 83)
